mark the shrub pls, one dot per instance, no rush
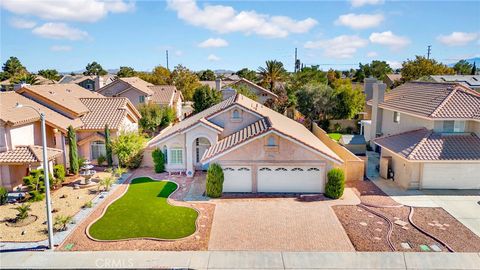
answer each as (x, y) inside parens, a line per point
(119, 171)
(23, 211)
(36, 196)
(325, 125)
(128, 147)
(81, 162)
(88, 204)
(336, 183)
(101, 159)
(59, 172)
(135, 161)
(61, 222)
(3, 195)
(106, 182)
(337, 127)
(214, 181)
(158, 160)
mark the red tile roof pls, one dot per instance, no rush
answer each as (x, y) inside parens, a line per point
(27, 154)
(164, 94)
(426, 145)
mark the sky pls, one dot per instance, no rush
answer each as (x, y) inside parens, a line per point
(68, 34)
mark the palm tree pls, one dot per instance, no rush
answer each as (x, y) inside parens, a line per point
(23, 211)
(26, 78)
(272, 73)
(61, 222)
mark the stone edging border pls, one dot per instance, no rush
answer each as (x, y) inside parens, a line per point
(143, 238)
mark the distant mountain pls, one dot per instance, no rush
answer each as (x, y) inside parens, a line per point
(223, 71)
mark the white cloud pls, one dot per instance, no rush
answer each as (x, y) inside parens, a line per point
(225, 19)
(360, 21)
(21, 23)
(457, 38)
(213, 43)
(372, 54)
(395, 64)
(59, 31)
(68, 10)
(389, 39)
(339, 47)
(60, 48)
(213, 57)
(359, 3)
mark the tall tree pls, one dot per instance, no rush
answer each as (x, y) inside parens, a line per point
(314, 101)
(272, 73)
(51, 74)
(348, 101)
(94, 68)
(332, 76)
(13, 67)
(205, 97)
(124, 72)
(421, 66)
(306, 76)
(474, 69)
(185, 80)
(155, 117)
(248, 74)
(377, 69)
(159, 76)
(463, 67)
(25, 78)
(206, 75)
(72, 150)
(108, 146)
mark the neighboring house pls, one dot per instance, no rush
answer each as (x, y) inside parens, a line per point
(471, 81)
(20, 138)
(429, 133)
(228, 90)
(391, 79)
(89, 82)
(6, 85)
(259, 149)
(139, 92)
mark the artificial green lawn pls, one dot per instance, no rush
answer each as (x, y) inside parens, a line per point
(335, 136)
(144, 212)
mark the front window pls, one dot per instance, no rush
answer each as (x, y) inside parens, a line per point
(453, 126)
(97, 149)
(236, 114)
(176, 156)
(271, 141)
(396, 117)
(141, 99)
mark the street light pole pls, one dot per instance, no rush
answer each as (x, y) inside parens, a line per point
(46, 173)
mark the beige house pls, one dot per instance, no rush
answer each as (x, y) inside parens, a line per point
(139, 92)
(428, 134)
(259, 149)
(89, 82)
(227, 88)
(64, 105)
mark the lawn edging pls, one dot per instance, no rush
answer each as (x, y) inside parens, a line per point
(87, 229)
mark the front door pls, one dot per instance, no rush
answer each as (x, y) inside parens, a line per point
(201, 145)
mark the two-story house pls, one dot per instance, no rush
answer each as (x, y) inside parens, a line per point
(429, 134)
(259, 149)
(89, 82)
(227, 88)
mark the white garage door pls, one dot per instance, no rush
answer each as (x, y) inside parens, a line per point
(451, 176)
(237, 179)
(291, 179)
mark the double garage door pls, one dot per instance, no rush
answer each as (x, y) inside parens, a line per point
(289, 179)
(451, 176)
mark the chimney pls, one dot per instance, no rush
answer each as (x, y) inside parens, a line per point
(20, 85)
(378, 95)
(368, 87)
(98, 83)
(218, 84)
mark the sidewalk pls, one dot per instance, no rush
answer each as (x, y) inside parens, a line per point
(239, 260)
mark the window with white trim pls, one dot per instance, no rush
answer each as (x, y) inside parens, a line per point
(236, 114)
(453, 126)
(97, 148)
(271, 141)
(396, 117)
(165, 154)
(141, 99)
(176, 156)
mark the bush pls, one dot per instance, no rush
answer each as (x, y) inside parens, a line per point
(101, 159)
(59, 172)
(3, 195)
(214, 181)
(88, 204)
(23, 211)
(135, 161)
(128, 147)
(119, 171)
(61, 222)
(158, 160)
(336, 183)
(106, 183)
(325, 125)
(36, 196)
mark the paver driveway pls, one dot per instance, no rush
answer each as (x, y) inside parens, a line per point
(279, 224)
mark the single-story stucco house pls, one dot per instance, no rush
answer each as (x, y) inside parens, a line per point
(259, 149)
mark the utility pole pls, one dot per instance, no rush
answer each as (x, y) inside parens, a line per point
(166, 53)
(429, 50)
(295, 68)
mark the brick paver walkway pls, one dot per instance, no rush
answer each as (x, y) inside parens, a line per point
(275, 224)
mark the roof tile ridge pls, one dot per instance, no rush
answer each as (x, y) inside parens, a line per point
(417, 147)
(401, 133)
(447, 98)
(30, 148)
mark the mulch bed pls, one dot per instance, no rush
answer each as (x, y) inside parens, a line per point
(21, 223)
(197, 241)
(369, 232)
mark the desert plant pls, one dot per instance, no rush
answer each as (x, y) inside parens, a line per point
(119, 171)
(59, 172)
(101, 159)
(106, 182)
(81, 162)
(23, 211)
(88, 204)
(158, 160)
(36, 196)
(214, 181)
(61, 222)
(3, 195)
(335, 184)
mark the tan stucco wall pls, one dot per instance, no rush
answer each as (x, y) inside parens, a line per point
(406, 174)
(177, 141)
(407, 123)
(22, 135)
(230, 126)
(12, 176)
(133, 95)
(112, 89)
(262, 96)
(353, 166)
(473, 126)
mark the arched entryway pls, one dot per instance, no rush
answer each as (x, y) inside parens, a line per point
(200, 145)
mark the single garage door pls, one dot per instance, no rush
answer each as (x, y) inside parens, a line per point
(237, 179)
(451, 176)
(291, 179)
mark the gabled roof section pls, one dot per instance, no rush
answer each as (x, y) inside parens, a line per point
(28, 154)
(138, 84)
(434, 100)
(106, 110)
(426, 145)
(245, 81)
(15, 117)
(164, 94)
(472, 81)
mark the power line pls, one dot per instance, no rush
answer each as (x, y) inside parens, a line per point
(166, 54)
(429, 49)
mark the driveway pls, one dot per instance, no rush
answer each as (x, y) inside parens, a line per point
(464, 205)
(275, 224)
